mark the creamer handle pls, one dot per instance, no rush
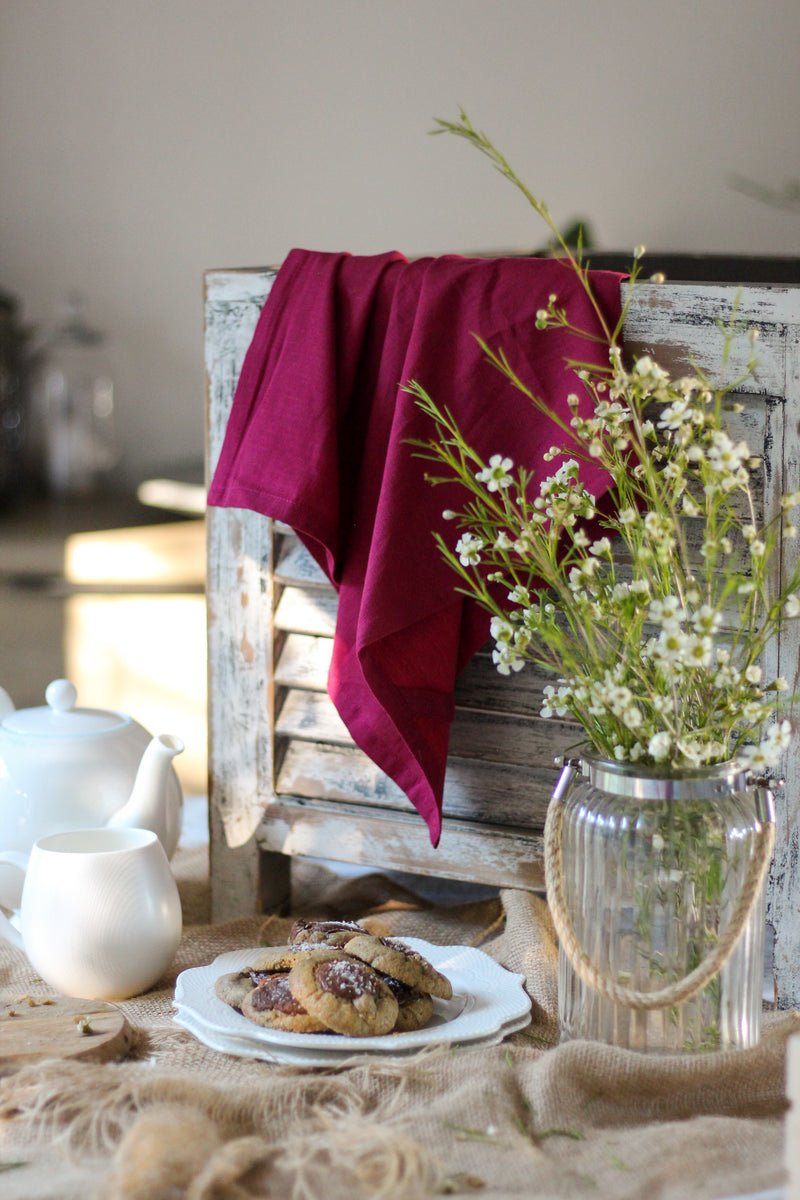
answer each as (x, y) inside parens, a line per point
(8, 931)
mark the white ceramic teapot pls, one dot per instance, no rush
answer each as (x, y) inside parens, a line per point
(64, 768)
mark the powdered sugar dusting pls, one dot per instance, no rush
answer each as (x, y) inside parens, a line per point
(347, 978)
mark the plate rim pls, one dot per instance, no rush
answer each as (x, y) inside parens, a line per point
(244, 1047)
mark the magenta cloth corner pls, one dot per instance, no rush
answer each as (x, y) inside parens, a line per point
(318, 438)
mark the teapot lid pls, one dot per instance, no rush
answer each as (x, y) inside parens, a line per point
(60, 717)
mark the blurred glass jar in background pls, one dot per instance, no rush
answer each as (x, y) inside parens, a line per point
(72, 396)
(14, 415)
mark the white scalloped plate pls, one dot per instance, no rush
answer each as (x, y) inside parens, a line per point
(486, 1000)
(242, 1048)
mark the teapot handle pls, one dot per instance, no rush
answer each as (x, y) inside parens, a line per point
(9, 931)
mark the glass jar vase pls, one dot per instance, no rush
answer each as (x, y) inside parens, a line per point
(656, 887)
(74, 435)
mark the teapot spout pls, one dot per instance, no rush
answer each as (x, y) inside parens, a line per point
(147, 807)
(6, 703)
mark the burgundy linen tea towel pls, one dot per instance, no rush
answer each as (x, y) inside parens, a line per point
(318, 437)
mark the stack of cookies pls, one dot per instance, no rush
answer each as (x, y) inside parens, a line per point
(336, 977)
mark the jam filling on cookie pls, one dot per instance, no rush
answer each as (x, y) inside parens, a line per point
(272, 993)
(402, 992)
(323, 927)
(258, 977)
(346, 979)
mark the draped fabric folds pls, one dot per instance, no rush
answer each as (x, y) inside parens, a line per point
(318, 437)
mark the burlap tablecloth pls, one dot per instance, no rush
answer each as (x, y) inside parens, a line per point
(528, 1117)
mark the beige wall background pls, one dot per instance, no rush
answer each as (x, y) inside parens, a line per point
(144, 141)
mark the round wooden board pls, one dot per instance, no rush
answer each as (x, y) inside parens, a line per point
(36, 1031)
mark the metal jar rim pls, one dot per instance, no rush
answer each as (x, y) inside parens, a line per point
(654, 783)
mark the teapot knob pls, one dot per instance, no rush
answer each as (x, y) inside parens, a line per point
(61, 695)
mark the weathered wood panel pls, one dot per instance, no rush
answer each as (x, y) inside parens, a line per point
(508, 857)
(239, 599)
(306, 610)
(783, 901)
(274, 792)
(474, 791)
(679, 325)
(294, 564)
(475, 733)
(303, 662)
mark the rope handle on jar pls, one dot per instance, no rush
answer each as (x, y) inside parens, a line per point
(682, 989)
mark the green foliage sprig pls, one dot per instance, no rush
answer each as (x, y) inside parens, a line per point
(656, 642)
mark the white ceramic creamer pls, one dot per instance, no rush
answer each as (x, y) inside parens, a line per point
(100, 916)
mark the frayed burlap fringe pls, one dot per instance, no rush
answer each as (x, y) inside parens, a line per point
(174, 1137)
(179, 1152)
(86, 1108)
